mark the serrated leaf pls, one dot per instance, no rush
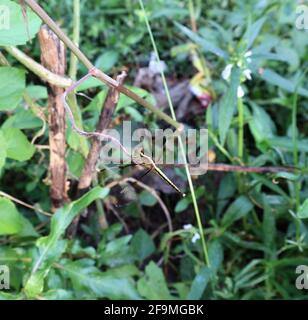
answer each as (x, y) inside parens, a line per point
(18, 146)
(13, 30)
(12, 86)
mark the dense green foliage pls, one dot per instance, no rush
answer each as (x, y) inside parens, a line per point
(255, 224)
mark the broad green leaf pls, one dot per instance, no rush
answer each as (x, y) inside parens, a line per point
(303, 210)
(13, 30)
(261, 125)
(142, 244)
(228, 104)
(23, 119)
(3, 147)
(182, 205)
(75, 163)
(37, 92)
(116, 252)
(51, 247)
(10, 219)
(237, 210)
(107, 60)
(18, 146)
(88, 281)
(27, 229)
(283, 83)
(12, 86)
(147, 199)
(153, 285)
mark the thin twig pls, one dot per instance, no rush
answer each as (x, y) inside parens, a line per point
(3, 194)
(156, 196)
(105, 119)
(96, 72)
(53, 57)
(81, 132)
(38, 69)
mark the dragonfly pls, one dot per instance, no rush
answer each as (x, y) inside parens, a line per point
(139, 159)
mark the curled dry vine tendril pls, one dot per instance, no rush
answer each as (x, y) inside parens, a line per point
(70, 115)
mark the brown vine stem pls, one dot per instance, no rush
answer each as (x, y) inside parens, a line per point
(97, 73)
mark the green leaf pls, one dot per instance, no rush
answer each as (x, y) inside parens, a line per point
(116, 252)
(269, 225)
(206, 273)
(228, 104)
(14, 31)
(10, 219)
(147, 199)
(286, 144)
(237, 210)
(253, 31)
(12, 86)
(51, 247)
(142, 244)
(303, 210)
(182, 205)
(18, 146)
(153, 285)
(37, 92)
(134, 114)
(205, 44)
(107, 60)
(261, 125)
(90, 282)
(200, 283)
(283, 83)
(23, 119)
(3, 147)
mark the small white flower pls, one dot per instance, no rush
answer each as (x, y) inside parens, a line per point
(195, 237)
(247, 55)
(155, 66)
(247, 74)
(187, 226)
(227, 72)
(240, 92)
